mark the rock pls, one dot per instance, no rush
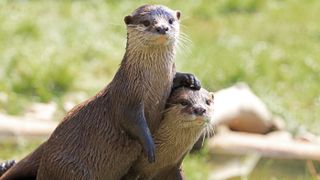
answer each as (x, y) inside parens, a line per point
(241, 110)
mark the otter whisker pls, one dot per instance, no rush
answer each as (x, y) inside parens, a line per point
(213, 126)
(184, 42)
(204, 137)
(209, 129)
(185, 37)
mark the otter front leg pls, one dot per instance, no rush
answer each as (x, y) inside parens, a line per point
(136, 125)
(186, 80)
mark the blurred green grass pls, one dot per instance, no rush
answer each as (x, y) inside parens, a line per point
(51, 48)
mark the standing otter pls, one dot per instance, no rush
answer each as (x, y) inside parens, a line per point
(94, 139)
(187, 116)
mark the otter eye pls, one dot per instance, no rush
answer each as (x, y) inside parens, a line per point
(171, 20)
(208, 102)
(184, 103)
(146, 23)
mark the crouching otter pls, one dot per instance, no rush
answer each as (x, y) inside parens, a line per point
(187, 116)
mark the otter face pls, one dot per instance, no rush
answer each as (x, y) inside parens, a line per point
(153, 24)
(195, 108)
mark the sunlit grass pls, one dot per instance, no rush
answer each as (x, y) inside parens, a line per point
(197, 166)
(50, 48)
(17, 148)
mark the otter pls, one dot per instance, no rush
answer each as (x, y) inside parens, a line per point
(187, 116)
(103, 136)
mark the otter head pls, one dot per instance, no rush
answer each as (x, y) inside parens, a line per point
(192, 108)
(153, 25)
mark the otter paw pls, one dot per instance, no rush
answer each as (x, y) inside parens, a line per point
(193, 82)
(149, 150)
(186, 80)
(6, 165)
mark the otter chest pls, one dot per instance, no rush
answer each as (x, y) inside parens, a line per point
(157, 90)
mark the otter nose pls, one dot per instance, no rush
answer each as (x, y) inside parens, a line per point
(162, 29)
(199, 111)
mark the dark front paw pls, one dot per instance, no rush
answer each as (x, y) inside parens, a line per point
(192, 82)
(149, 148)
(186, 80)
(151, 153)
(148, 145)
(135, 124)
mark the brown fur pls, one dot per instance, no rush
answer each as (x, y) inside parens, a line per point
(179, 130)
(91, 143)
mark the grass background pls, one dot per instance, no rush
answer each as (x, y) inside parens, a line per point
(49, 49)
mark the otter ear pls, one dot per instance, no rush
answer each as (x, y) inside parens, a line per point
(212, 95)
(178, 13)
(128, 19)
